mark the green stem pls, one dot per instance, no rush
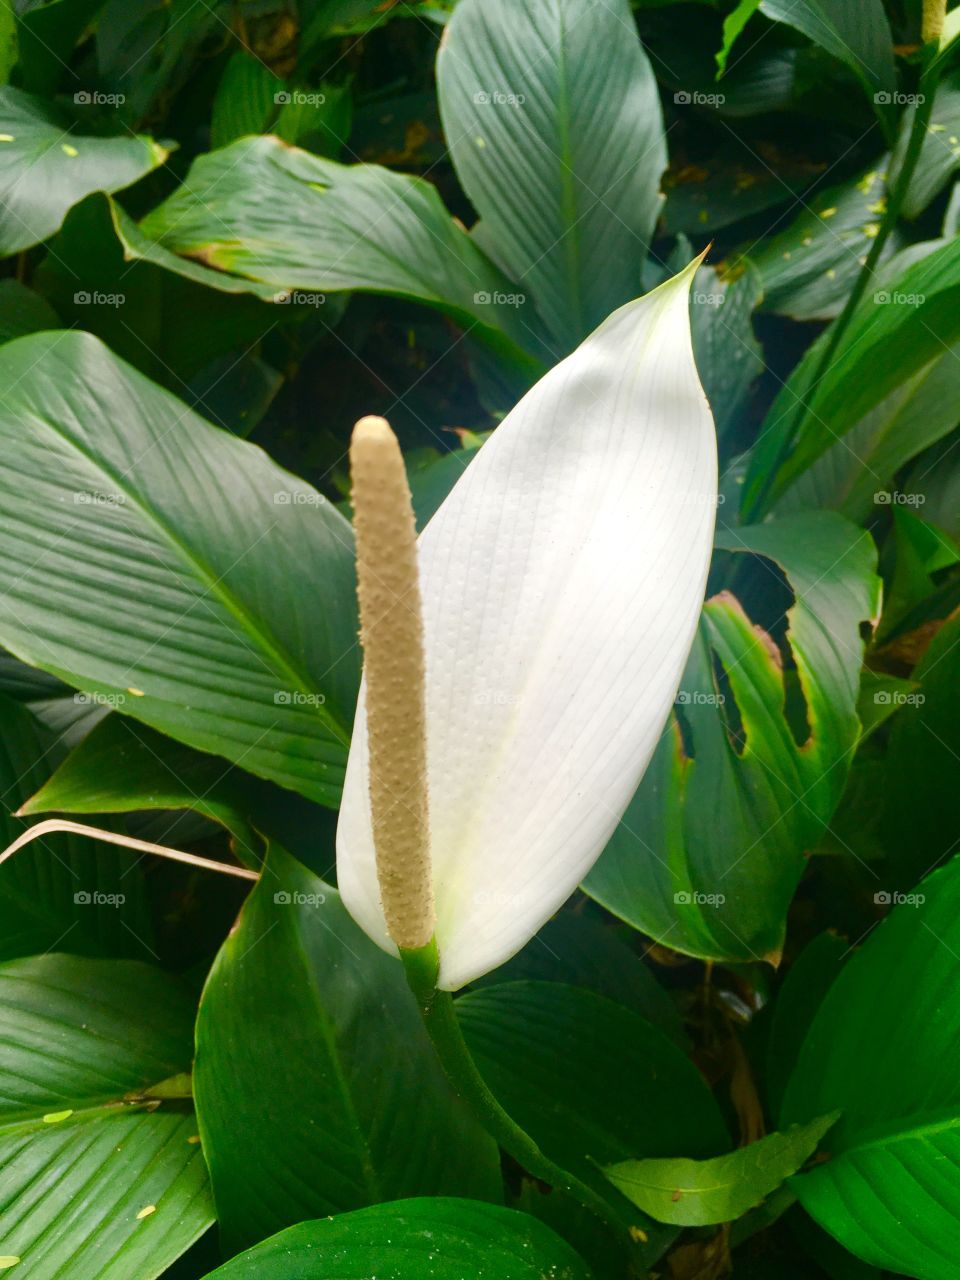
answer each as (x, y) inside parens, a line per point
(440, 1020)
(926, 90)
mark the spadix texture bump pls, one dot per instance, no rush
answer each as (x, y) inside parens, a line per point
(561, 584)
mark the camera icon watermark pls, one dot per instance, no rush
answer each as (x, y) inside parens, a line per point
(887, 898)
(694, 898)
(94, 898)
(694, 98)
(297, 98)
(296, 898)
(894, 498)
(297, 698)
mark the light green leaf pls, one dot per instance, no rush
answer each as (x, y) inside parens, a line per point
(701, 1193)
(553, 119)
(121, 505)
(276, 220)
(882, 1051)
(855, 475)
(46, 167)
(894, 333)
(341, 1095)
(84, 1042)
(733, 25)
(754, 760)
(440, 1239)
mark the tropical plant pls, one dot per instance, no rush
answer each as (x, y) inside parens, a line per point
(480, 561)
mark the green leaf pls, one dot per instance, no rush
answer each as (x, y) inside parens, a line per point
(275, 219)
(103, 276)
(581, 952)
(63, 891)
(46, 167)
(728, 356)
(882, 1050)
(122, 766)
(8, 41)
(245, 101)
(919, 801)
(23, 311)
(552, 116)
(440, 1239)
(855, 31)
(84, 1042)
(591, 1081)
(733, 25)
(809, 268)
(701, 1193)
(755, 759)
(807, 983)
(340, 1092)
(855, 475)
(124, 506)
(922, 550)
(47, 33)
(893, 334)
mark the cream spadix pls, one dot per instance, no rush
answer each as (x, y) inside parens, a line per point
(561, 583)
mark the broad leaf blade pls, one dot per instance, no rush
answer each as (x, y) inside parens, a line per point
(552, 116)
(882, 1049)
(340, 1090)
(123, 507)
(441, 1239)
(720, 806)
(701, 1193)
(276, 219)
(45, 167)
(131, 1190)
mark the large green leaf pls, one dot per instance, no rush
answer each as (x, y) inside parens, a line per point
(339, 1090)
(283, 221)
(100, 1177)
(62, 891)
(552, 116)
(882, 1050)
(589, 1080)
(855, 475)
(440, 1239)
(895, 332)
(45, 167)
(173, 570)
(710, 850)
(579, 951)
(700, 1193)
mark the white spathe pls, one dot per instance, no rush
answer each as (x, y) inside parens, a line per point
(562, 580)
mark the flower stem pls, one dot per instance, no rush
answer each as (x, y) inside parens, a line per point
(440, 1020)
(930, 75)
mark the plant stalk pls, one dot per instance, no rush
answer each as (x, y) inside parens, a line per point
(440, 1020)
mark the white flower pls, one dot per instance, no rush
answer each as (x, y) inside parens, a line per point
(561, 580)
